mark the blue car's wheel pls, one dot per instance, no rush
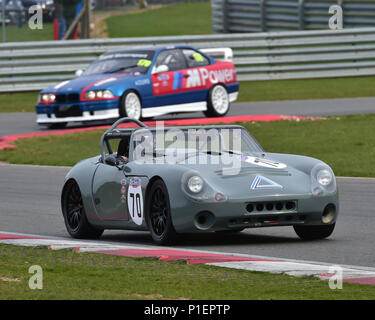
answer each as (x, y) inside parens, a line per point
(159, 217)
(218, 101)
(74, 213)
(130, 105)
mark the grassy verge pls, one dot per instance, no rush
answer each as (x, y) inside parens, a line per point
(18, 102)
(341, 142)
(250, 91)
(300, 89)
(186, 18)
(24, 33)
(71, 275)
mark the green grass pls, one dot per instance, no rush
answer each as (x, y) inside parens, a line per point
(15, 34)
(346, 143)
(300, 89)
(175, 19)
(65, 150)
(250, 91)
(18, 101)
(71, 275)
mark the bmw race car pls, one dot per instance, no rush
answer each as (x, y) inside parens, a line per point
(145, 82)
(195, 179)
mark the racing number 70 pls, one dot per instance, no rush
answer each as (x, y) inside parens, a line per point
(136, 202)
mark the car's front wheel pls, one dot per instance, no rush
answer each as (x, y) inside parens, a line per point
(218, 101)
(314, 232)
(74, 214)
(130, 105)
(159, 218)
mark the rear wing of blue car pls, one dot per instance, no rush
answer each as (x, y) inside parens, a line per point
(223, 54)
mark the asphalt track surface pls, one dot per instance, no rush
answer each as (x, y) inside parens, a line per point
(18, 123)
(30, 203)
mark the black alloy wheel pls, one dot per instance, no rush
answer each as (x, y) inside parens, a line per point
(159, 214)
(74, 214)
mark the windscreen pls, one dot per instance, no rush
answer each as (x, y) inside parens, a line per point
(194, 141)
(131, 61)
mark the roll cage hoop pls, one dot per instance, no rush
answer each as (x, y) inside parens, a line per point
(114, 132)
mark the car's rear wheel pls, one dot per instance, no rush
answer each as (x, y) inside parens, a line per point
(218, 101)
(74, 214)
(314, 232)
(159, 214)
(130, 105)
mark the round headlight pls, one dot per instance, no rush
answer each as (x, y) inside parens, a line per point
(324, 177)
(91, 95)
(52, 97)
(45, 97)
(107, 94)
(195, 184)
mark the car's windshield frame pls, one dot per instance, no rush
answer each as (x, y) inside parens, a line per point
(250, 142)
(111, 63)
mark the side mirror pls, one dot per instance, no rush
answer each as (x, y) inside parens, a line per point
(79, 72)
(160, 69)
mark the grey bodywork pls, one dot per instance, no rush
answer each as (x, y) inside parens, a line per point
(100, 185)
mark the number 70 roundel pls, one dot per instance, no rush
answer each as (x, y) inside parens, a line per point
(135, 201)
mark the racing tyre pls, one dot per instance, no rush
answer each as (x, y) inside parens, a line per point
(130, 105)
(159, 218)
(218, 101)
(314, 232)
(74, 214)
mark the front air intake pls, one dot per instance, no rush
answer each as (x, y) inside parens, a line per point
(278, 206)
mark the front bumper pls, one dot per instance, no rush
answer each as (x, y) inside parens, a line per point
(77, 112)
(234, 214)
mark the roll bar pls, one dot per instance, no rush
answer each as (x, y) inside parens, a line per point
(111, 129)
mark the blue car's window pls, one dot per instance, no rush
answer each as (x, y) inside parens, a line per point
(138, 61)
(194, 58)
(171, 58)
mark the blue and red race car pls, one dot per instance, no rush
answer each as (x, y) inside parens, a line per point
(143, 83)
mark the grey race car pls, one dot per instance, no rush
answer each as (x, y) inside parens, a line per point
(195, 179)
